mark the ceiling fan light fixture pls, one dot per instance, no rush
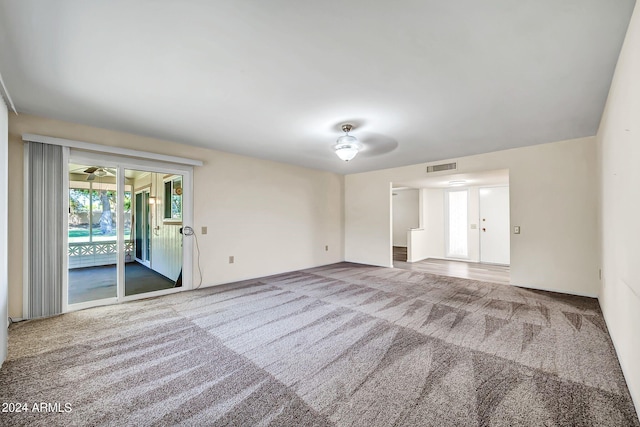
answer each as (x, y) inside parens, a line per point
(346, 152)
(347, 146)
(100, 172)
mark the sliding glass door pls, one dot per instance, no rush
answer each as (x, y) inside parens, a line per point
(92, 233)
(124, 238)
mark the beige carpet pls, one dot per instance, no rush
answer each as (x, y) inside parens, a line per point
(338, 345)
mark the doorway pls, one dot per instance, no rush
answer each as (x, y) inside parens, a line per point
(92, 232)
(405, 216)
(450, 236)
(157, 221)
(123, 234)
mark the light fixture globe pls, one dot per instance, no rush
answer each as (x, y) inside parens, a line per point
(347, 146)
(346, 152)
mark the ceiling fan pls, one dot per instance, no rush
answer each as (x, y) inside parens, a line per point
(98, 171)
(370, 144)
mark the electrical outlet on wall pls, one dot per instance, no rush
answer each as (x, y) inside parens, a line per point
(326, 248)
(204, 230)
(232, 259)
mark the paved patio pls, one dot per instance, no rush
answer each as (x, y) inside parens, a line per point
(94, 283)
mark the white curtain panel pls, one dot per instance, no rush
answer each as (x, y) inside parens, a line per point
(45, 216)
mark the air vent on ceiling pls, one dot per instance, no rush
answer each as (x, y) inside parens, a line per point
(442, 167)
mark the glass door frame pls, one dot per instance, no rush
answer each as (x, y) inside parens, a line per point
(120, 163)
(145, 226)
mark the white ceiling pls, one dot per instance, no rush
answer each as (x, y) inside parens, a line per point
(421, 80)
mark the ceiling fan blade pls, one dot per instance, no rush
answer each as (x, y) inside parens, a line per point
(111, 171)
(91, 169)
(91, 177)
(375, 144)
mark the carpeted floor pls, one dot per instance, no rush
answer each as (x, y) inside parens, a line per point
(337, 345)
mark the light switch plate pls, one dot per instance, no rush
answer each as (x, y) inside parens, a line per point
(204, 230)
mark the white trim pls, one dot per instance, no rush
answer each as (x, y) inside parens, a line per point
(152, 294)
(109, 149)
(6, 95)
(79, 156)
(187, 220)
(390, 192)
(121, 246)
(143, 190)
(554, 290)
(91, 304)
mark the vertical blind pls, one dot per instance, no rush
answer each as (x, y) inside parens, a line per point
(45, 216)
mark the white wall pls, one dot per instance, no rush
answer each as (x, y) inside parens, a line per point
(417, 245)
(271, 216)
(166, 240)
(405, 214)
(433, 221)
(619, 149)
(4, 275)
(553, 199)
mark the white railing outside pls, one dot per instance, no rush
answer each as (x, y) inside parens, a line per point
(93, 254)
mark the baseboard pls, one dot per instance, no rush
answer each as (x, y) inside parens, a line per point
(622, 367)
(557, 291)
(11, 320)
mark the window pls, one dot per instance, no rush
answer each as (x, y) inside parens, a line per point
(173, 199)
(457, 224)
(92, 212)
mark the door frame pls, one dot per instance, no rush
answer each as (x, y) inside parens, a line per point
(120, 163)
(146, 231)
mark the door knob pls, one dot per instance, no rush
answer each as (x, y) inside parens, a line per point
(484, 229)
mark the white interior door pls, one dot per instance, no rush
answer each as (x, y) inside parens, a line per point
(494, 225)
